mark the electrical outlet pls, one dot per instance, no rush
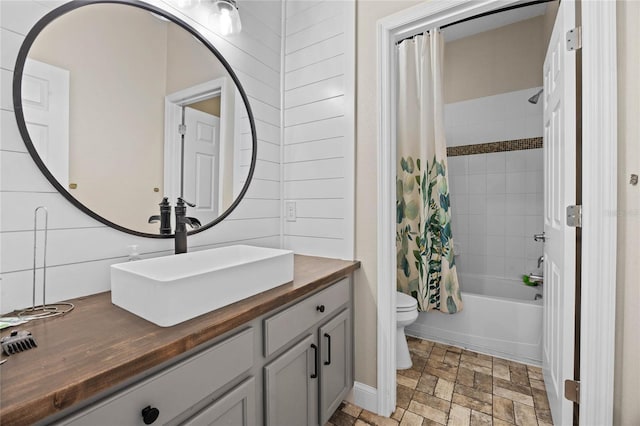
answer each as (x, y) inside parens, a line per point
(290, 211)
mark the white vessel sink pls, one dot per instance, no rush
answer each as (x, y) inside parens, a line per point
(172, 289)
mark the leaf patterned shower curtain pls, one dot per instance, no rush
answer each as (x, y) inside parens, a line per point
(426, 264)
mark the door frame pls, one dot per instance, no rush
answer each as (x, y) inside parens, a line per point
(599, 194)
(173, 116)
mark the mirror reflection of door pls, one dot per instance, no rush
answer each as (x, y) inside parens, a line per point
(45, 101)
(201, 161)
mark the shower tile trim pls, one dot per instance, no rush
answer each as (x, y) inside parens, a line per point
(491, 147)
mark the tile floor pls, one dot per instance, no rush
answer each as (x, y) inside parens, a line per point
(453, 386)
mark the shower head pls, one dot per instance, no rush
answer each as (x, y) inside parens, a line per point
(535, 98)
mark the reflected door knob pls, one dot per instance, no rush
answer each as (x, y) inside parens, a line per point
(150, 415)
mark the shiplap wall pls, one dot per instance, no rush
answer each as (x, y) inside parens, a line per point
(318, 148)
(80, 248)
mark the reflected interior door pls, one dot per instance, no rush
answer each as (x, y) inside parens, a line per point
(201, 164)
(45, 103)
(559, 73)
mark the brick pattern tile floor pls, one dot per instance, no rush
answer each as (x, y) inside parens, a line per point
(453, 386)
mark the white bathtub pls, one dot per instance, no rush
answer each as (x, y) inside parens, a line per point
(500, 317)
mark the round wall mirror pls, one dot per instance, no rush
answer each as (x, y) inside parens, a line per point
(121, 104)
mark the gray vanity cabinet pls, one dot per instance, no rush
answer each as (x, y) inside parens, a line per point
(291, 388)
(335, 372)
(291, 367)
(235, 408)
(307, 382)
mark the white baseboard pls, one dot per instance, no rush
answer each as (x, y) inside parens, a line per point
(365, 396)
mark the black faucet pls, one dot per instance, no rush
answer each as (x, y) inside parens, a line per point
(164, 217)
(181, 225)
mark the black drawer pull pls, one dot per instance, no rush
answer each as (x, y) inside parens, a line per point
(150, 414)
(328, 361)
(320, 308)
(315, 358)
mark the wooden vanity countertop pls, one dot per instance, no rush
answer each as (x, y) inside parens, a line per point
(98, 345)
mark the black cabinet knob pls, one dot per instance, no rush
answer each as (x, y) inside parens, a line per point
(320, 308)
(150, 415)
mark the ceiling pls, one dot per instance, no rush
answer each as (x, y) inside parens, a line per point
(491, 22)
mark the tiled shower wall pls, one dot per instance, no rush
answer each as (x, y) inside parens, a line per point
(496, 198)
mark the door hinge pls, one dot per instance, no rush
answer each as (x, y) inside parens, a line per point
(574, 216)
(182, 129)
(574, 39)
(572, 390)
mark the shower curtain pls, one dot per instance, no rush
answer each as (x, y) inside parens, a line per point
(425, 255)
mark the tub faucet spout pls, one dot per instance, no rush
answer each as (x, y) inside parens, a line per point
(540, 260)
(535, 278)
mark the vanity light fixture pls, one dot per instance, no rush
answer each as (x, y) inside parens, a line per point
(224, 17)
(186, 4)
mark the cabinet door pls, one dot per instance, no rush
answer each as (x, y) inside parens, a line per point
(335, 374)
(235, 408)
(291, 386)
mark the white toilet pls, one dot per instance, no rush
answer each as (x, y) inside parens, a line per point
(406, 313)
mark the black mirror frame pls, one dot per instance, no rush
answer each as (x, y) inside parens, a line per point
(19, 114)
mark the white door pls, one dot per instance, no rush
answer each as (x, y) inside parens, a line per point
(201, 164)
(45, 103)
(559, 191)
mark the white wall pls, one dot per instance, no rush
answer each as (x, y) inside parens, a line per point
(80, 248)
(318, 126)
(496, 198)
(503, 117)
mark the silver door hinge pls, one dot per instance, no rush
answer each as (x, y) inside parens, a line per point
(572, 390)
(182, 129)
(574, 39)
(574, 216)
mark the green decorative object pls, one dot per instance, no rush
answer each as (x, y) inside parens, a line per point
(527, 281)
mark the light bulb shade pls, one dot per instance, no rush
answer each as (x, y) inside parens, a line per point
(186, 4)
(225, 18)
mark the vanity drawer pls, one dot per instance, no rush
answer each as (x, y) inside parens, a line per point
(174, 390)
(293, 321)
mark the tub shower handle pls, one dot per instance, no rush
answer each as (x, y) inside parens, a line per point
(539, 237)
(535, 278)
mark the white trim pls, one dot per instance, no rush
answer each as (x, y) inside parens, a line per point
(171, 150)
(365, 396)
(350, 134)
(599, 200)
(283, 55)
(599, 194)
(386, 332)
